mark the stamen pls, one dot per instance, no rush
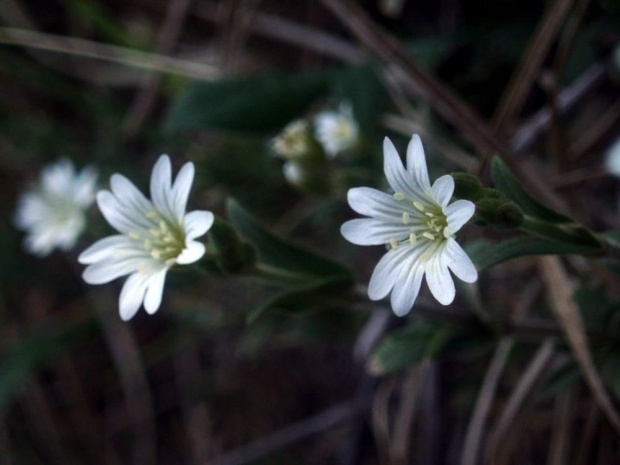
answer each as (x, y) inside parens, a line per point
(147, 244)
(170, 261)
(142, 270)
(394, 243)
(155, 232)
(155, 254)
(429, 214)
(406, 218)
(429, 236)
(151, 214)
(418, 206)
(412, 239)
(399, 196)
(134, 235)
(446, 233)
(163, 226)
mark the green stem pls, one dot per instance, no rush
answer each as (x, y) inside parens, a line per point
(278, 274)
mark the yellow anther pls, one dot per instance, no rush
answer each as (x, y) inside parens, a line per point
(418, 206)
(446, 233)
(406, 218)
(170, 249)
(147, 244)
(394, 243)
(429, 236)
(412, 239)
(163, 226)
(171, 261)
(151, 214)
(155, 232)
(429, 214)
(142, 270)
(155, 254)
(168, 238)
(399, 196)
(134, 235)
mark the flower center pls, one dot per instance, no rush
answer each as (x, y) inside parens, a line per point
(427, 222)
(164, 241)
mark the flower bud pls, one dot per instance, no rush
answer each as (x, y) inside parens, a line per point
(233, 254)
(467, 186)
(499, 212)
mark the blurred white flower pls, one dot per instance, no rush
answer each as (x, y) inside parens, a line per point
(418, 225)
(612, 160)
(293, 172)
(337, 131)
(293, 141)
(155, 235)
(53, 214)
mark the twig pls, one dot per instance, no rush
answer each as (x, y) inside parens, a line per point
(124, 351)
(288, 32)
(145, 96)
(524, 388)
(560, 291)
(532, 129)
(478, 421)
(340, 414)
(527, 71)
(106, 52)
(596, 131)
(561, 432)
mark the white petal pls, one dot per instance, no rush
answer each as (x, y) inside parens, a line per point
(443, 188)
(155, 290)
(198, 223)
(181, 188)
(416, 162)
(108, 270)
(382, 279)
(406, 290)
(132, 295)
(161, 186)
(118, 216)
(193, 251)
(461, 265)
(459, 213)
(85, 187)
(367, 231)
(129, 195)
(371, 202)
(393, 167)
(439, 281)
(106, 247)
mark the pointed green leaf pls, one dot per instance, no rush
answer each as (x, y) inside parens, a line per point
(280, 254)
(264, 103)
(511, 188)
(303, 298)
(485, 256)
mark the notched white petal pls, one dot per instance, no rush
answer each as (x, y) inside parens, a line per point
(459, 213)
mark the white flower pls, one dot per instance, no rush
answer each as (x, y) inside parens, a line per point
(612, 160)
(417, 224)
(337, 130)
(293, 142)
(155, 235)
(53, 214)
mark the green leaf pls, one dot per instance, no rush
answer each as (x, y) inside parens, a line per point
(264, 103)
(303, 299)
(485, 256)
(511, 188)
(411, 345)
(280, 254)
(23, 360)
